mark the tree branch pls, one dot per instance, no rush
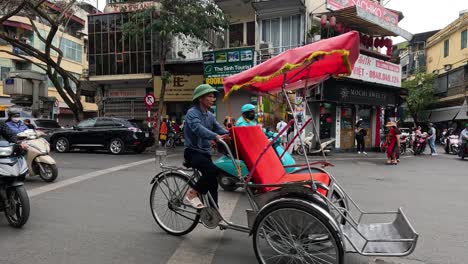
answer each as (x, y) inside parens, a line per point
(14, 12)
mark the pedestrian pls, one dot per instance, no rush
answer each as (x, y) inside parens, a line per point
(163, 131)
(392, 143)
(360, 133)
(432, 139)
(27, 123)
(279, 127)
(201, 128)
(176, 127)
(464, 138)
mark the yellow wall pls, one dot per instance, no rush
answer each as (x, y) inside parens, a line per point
(435, 47)
(69, 65)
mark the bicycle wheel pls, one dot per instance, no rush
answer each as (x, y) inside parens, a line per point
(167, 205)
(291, 232)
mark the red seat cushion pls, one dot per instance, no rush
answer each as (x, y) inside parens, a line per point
(250, 142)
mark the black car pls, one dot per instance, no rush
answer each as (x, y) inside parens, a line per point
(113, 134)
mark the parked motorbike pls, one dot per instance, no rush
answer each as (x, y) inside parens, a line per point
(452, 145)
(420, 143)
(38, 156)
(14, 200)
(326, 146)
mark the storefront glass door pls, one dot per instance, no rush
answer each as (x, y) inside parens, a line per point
(347, 127)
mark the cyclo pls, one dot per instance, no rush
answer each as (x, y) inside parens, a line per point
(304, 217)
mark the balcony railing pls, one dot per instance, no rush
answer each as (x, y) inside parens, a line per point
(267, 52)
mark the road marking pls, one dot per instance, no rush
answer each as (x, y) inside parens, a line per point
(87, 176)
(199, 247)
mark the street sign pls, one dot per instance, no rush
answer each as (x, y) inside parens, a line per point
(149, 100)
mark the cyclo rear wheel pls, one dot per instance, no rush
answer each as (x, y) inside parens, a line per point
(293, 232)
(167, 204)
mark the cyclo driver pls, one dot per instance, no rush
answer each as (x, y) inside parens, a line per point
(200, 128)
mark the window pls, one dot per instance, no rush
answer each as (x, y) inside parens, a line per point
(236, 35)
(463, 39)
(282, 33)
(446, 48)
(104, 122)
(3, 72)
(250, 33)
(71, 50)
(87, 123)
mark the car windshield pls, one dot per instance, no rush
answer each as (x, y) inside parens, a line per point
(47, 123)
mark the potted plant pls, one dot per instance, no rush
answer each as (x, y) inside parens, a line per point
(314, 33)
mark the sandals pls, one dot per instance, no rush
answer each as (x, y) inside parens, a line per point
(194, 202)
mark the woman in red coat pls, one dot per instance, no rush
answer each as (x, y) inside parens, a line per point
(392, 143)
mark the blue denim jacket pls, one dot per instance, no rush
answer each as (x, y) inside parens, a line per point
(199, 129)
(16, 127)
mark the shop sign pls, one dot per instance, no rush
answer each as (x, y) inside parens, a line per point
(368, 6)
(127, 92)
(376, 71)
(130, 6)
(179, 88)
(223, 63)
(354, 94)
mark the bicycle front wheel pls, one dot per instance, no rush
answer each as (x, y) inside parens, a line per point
(167, 204)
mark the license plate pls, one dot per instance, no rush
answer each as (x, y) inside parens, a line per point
(146, 134)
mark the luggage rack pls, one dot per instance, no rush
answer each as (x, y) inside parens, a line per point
(395, 238)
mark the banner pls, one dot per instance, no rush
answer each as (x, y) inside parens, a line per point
(179, 88)
(222, 63)
(373, 70)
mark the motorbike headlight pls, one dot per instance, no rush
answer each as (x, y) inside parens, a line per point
(6, 151)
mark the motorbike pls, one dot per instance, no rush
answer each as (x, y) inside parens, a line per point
(452, 144)
(14, 200)
(420, 143)
(405, 143)
(326, 146)
(174, 139)
(38, 156)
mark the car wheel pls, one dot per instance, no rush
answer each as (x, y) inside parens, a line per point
(62, 145)
(116, 146)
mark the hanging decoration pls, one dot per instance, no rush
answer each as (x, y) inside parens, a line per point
(323, 20)
(332, 22)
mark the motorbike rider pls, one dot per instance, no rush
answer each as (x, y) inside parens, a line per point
(14, 123)
(10, 136)
(201, 127)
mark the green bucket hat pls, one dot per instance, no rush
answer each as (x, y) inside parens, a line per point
(203, 89)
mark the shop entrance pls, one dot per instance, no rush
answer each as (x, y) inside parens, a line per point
(347, 127)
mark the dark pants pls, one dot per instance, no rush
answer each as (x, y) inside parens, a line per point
(208, 181)
(360, 143)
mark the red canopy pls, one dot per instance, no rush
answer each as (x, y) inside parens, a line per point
(334, 56)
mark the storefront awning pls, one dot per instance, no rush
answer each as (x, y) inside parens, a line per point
(463, 113)
(363, 21)
(444, 114)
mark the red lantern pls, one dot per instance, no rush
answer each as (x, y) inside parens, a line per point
(364, 39)
(339, 28)
(332, 21)
(376, 42)
(323, 20)
(328, 119)
(381, 42)
(370, 42)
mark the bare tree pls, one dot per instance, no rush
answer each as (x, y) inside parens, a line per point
(49, 59)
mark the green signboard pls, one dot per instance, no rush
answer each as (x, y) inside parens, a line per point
(222, 63)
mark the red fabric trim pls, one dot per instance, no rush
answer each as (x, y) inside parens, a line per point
(18, 25)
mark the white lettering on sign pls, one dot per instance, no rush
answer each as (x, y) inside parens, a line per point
(377, 71)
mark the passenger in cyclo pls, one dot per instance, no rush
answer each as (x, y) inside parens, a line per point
(200, 129)
(248, 119)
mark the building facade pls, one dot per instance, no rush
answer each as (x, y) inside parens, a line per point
(447, 57)
(72, 43)
(373, 91)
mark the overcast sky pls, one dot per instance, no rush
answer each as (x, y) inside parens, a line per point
(420, 15)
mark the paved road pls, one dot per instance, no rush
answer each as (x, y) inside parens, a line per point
(98, 212)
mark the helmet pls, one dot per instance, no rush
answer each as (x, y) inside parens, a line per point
(247, 108)
(202, 90)
(13, 112)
